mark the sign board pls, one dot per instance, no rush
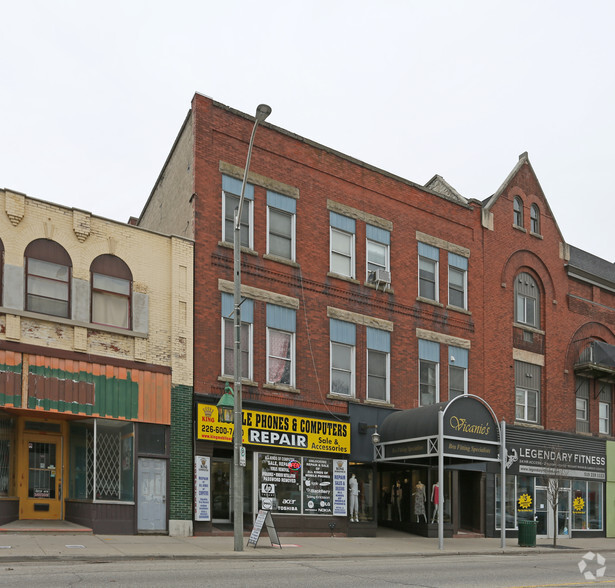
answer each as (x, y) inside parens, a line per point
(202, 488)
(264, 517)
(276, 430)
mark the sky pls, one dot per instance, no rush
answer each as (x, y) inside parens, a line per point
(93, 94)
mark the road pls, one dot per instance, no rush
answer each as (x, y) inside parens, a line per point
(557, 569)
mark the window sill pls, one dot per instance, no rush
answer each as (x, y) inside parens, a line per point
(343, 398)
(518, 228)
(341, 277)
(528, 425)
(72, 323)
(383, 403)
(281, 260)
(537, 235)
(246, 250)
(458, 309)
(429, 301)
(387, 287)
(281, 388)
(244, 381)
(528, 328)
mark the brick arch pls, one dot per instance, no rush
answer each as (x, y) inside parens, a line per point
(527, 261)
(590, 329)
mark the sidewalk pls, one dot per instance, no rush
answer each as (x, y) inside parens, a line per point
(71, 546)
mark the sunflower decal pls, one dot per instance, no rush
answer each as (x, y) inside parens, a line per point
(578, 505)
(525, 502)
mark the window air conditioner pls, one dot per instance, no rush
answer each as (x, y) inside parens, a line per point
(382, 276)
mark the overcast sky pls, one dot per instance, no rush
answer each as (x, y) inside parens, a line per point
(92, 94)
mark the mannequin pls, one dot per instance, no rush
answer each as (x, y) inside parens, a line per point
(435, 499)
(353, 488)
(396, 496)
(419, 501)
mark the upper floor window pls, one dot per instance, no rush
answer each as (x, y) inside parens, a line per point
(378, 356)
(535, 219)
(48, 274)
(457, 372)
(342, 244)
(604, 408)
(527, 392)
(378, 243)
(457, 281)
(343, 345)
(429, 372)
(228, 337)
(582, 405)
(527, 300)
(518, 211)
(231, 190)
(281, 214)
(428, 271)
(111, 291)
(281, 327)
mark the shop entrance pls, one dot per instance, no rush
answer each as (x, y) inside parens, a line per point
(221, 490)
(40, 477)
(469, 492)
(544, 514)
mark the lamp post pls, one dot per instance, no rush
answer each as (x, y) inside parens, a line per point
(262, 112)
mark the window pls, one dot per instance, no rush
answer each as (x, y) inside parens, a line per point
(527, 392)
(428, 271)
(582, 404)
(457, 372)
(228, 336)
(604, 408)
(231, 190)
(378, 353)
(429, 364)
(111, 285)
(527, 296)
(48, 274)
(378, 242)
(281, 211)
(518, 212)
(535, 219)
(343, 342)
(342, 244)
(457, 280)
(1, 270)
(281, 326)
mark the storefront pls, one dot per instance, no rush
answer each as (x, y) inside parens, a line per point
(545, 469)
(296, 466)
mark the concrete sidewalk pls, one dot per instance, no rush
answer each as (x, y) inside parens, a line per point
(388, 543)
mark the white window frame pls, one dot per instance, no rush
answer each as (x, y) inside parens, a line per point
(604, 420)
(387, 386)
(465, 380)
(437, 384)
(271, 330)
(581, 409)
(333, 369)
(332, 252)
(526, 392)
(535, 219)
(436, 278)
(292, 231)
(223, 347)
(465, 286)
(247, 203)
(387, 263)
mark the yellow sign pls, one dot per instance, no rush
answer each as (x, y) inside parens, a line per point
(276, 430)
(578, 505)
(525, 502)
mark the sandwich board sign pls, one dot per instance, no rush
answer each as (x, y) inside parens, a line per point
(264, 518)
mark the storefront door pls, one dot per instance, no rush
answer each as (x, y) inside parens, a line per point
(221, 490)
(40, 485)
(544, 513)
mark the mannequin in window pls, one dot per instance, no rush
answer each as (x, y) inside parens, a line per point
(435, 500)
(353, 488)
(420, 498)
(396, 496)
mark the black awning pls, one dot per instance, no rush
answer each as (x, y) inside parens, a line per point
(411, 424)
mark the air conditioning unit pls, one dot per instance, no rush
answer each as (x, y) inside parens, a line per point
(382, 277)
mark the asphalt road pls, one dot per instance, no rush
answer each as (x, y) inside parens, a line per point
(558, 569)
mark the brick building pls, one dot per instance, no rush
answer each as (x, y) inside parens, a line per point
(366, 294)
(95, 370)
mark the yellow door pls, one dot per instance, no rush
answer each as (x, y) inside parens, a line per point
(40, 478)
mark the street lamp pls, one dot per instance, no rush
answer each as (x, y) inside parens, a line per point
(225, 405)
(262, 112)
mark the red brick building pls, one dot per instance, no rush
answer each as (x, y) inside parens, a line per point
(365, 293)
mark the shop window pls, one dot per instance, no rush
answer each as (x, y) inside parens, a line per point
(6, 456)
(527, 392)
(343, 342)
(111, 291)
(527, 300)
(378, 359)
(48, 274)
(428, 271)
(281, 214)
(281, 326)
(516, 487)
(231, 191)
(518, 212)
(228, 336)
(102, 461)
(457, 372)
(586, 505)
(457, 281)
(582, 405)
(377, 254)
(604, 408)
(342, 236)
(152, 439)
(535, 219)
(429, 367)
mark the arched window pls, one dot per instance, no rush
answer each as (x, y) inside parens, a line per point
(111, 291)
(518, 211)
(48, 274)
(527, 300)
(535, 219)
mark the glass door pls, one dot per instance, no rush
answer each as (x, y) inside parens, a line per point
(544, 513)
(221, 490)
(42, 498)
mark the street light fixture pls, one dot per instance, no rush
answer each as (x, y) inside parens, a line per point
(262, 112)
(225, 405)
